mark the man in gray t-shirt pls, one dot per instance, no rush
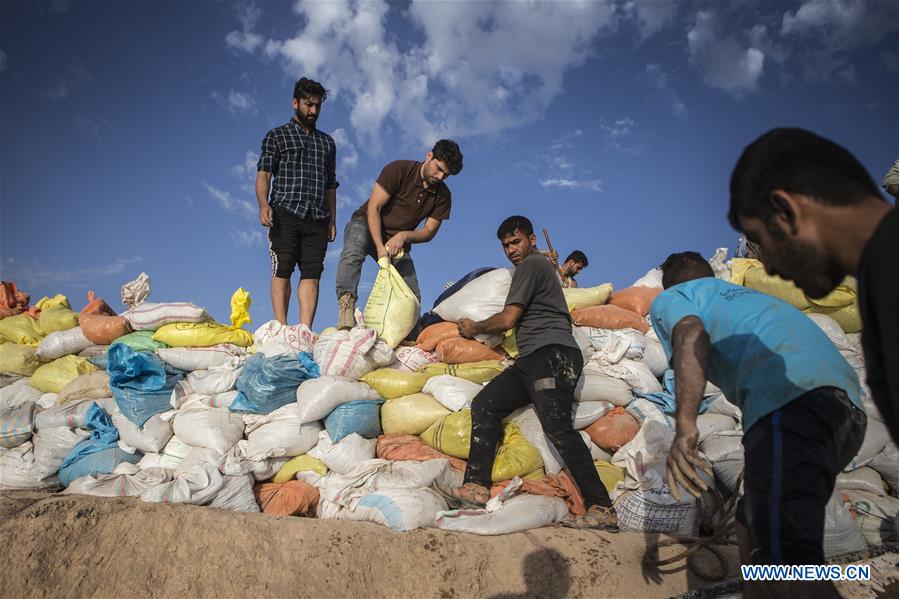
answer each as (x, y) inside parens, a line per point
(545, 375)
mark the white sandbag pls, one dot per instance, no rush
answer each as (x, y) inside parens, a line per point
(644, 410)
(149, 316)
(275, 339)
(875, 516)
(127, 480)
(718, 404)
(452, 392)
(635, 374)
(876, 438)
(615, 345)
(280, 433)
(583, 342)
(216, 380)
(198, 401)
(236, 495)
(17, 393)
(864, 479)
(199, 358)
(588, 412)
(149, 438)
(478, 299)
(722, 445)
(171, 455)
(7, 379)
(17, 424)
(833, 331)
(377, 474)
(342, 457)
(527, 420)
(318, 397)
(522, 512)
(71, 415)
(62, 343)
(598, 387)
(48, 400)
(410, 359)
(236, 461)
(654, 357)
(398, 509)
(351, 354)
(213, 428)
(714, 423)
(199, 456)
(52, 445)
(652, 278)
(841, 535)
(886, 463)
(198, 486)
(657, 511)
(18, 470)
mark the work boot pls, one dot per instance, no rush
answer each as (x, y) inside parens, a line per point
(346, 315)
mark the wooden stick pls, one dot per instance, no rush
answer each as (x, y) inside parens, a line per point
(549, 245)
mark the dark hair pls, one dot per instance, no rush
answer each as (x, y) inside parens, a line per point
(308, 87)
(578, 256)
(684, 266)
(796, 161)
(512, 224)
(447, 151)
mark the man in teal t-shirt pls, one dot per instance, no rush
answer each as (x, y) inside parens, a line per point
(803, 419)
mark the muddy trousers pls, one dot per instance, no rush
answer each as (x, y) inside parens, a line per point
(545, 378)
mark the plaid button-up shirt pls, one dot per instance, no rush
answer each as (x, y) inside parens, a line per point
(303, 165)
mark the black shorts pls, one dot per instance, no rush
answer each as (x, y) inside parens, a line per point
(297, 241)
(792, 458)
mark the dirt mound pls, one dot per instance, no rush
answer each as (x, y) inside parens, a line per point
(66, 545)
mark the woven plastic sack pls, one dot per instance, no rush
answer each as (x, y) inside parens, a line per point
(391, 384)
(431, 336)
(656, 511)
(459, 350)
(16, 424)
(214, 429)
(104, 461)
(479, 299)
(102, 329)
(398, 509)
(150, 316)
(93, 385)
(52, 377)
(318, 397)
(18, 359)
(301, 463)
(520, 513)
(141, 382)
(274, 339)
(266, 384)
(96, 305)
(201, 334)
(452, 392)
(140, 341)
(199, 358)
(614, 429)
(599, 387)
(352, 353)
(22, 329)
(62, 343)
(360, 417)
(280, 434)
(609, 317)
(344, 456)
(476, 372)
(392, 309)
(585, 297)
(635, 299)
(290, 498)
(411, 414)
(56, 319)
(411, 359)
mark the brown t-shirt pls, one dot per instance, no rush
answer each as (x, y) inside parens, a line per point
(410, 203)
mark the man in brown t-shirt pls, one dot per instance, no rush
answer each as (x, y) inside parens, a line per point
(405, 194)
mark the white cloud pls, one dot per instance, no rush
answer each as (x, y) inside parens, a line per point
(246, 172)
(248, 238)
(651, 15)
(350, 157)
(583, 185)
(35, 273)
(622, 135)
(231, 204)
(724, 62)
(245, 40)
(656, 76)
(236, 102)
(55, 91)
(189, 200)
(565, 141)
(479, 69)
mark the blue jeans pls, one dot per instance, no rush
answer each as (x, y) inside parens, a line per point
(357, 244)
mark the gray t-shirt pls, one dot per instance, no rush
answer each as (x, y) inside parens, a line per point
(546, 320)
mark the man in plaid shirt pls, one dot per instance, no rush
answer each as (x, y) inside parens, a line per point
(301, 209)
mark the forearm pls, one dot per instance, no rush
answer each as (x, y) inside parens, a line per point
(374, 225)
(263, 185)
(422, 235)
(498, 323)
(331, 199)
(691, 367)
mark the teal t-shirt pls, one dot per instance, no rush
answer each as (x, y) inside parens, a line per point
(764, 352)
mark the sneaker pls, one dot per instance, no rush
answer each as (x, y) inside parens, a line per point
(346, 315)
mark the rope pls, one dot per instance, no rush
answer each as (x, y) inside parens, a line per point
(723, 525)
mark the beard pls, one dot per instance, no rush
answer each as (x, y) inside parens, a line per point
(308, 119)
(811, 271)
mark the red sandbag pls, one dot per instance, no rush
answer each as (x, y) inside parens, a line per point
(103, 330)
(293, 498)
(635, 299)
(96, 306)
(464, 351)
(12, 300)
(434, 334)
(400, 447)
(609, 317)
(614, 429)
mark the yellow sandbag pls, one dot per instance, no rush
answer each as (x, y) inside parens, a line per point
(510, 344)
(578, 298)
(411, 414)
(392, 308)
(240, 308)
(391, 384)
(301, 463)
(21, 329)
(201, 334)
(52, 377)
(18, 359)
(609, 474)
(738, 268)
(535, 475)
(52, 303)
(848, 317)
(56, 319)
(476, 372)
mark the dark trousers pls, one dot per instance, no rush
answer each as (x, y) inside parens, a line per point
(546, 378)
(792, 457)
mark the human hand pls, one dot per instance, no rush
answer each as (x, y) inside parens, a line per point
(382, 252)
(332, 231)
(554, 256)
(265, 215)
(395, 244)
(683, 459)
(467, 328)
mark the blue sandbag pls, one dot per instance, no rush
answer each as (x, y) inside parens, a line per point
(98, 462)
(266, 384)
(100, 361)
(361, 417)
(141, 382)
(103, 435)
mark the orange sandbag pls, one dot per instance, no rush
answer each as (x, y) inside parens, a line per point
(551, 485)
(96, 306)
(635, 299)
(609, 317)
(293, 498)
(464, 351)
(103, 330)
(399, 447)
(615, 428)
(12, 301)
(434, 334)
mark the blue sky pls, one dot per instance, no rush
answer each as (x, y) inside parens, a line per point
(129, 131)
